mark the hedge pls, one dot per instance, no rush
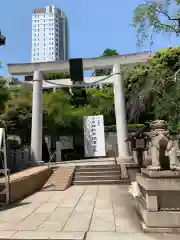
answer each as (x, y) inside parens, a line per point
(131, 127)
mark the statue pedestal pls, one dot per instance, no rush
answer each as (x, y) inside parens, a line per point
(159, 201)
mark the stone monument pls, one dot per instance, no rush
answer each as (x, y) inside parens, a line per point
(158, 202)
(162, 143)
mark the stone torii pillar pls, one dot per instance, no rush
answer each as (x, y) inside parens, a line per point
(121, 125)
(37, 118)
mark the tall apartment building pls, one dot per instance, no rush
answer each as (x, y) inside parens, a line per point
(49, 35)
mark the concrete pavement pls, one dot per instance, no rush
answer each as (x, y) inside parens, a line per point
(81, 212)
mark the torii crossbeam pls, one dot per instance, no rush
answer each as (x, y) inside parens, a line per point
(37, 70)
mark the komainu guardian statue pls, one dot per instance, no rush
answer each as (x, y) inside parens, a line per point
(163, 150)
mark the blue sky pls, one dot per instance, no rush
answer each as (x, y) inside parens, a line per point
(94, 25)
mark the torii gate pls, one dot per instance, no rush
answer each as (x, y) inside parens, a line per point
(37, 70)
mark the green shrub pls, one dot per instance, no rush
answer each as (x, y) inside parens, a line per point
(136, 126)
(54, 76)
(112, 128)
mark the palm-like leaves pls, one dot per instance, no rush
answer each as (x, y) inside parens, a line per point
(148, 86)
(101, 101)
(56, 108)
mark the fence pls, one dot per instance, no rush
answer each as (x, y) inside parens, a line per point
(20, 159)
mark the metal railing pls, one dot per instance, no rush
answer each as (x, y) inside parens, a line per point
(6, 174)
(51, 158)
(5, 170)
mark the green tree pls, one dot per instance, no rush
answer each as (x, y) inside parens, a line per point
(60, 115)
(161, 16)
(151, 88)
(4, 94)
(168, 106)
(101, 102)
(56, 108)
(77, 96)
(107, 71)
(57, 75)
(17, 114)
(136, 100)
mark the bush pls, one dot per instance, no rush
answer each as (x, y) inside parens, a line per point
(136, 126)
(131, 127)
(111, 128)
(54, 76)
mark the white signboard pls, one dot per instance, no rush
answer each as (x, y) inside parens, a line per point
(66, 142)
(94, 138)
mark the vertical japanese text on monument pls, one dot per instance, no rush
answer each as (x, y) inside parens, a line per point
(94, 136)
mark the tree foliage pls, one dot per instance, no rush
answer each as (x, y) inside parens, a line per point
(17, 114)
(106, 71)
(57, 75)
(160, 16)
(4, 94)
(152, 90)
(101, 102)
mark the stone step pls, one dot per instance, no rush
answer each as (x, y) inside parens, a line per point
(62, 176)
(57, 180)
(47, 189)
(60, 172)
(97, 169)
(55, 183)
(106, 166)
(99, 173)
(102, 177)
(101, 182)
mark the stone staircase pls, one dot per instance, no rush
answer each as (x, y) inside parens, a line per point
(98, 174)
(60, 180)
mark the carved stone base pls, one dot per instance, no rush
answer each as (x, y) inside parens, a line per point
(159, 222)
(175, 167)
(154, 168)
(159, 200)
(160, 174)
